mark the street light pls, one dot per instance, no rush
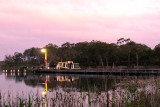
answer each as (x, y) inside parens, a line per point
(45, 60)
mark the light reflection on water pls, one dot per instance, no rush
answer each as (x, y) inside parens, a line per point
(85, 90)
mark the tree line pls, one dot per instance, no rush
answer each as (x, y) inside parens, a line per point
(90, 54)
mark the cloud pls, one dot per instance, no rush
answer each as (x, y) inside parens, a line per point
(24, 24)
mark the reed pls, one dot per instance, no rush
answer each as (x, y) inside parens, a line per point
(127, 96)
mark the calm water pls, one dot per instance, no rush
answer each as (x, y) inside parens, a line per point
(47, 90)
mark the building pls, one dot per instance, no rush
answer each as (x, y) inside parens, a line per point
(67, 65)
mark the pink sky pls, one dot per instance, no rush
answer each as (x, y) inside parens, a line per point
(35, 23)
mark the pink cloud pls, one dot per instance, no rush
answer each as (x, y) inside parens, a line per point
(24, 24)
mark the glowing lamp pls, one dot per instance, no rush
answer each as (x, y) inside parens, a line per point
(43, 50)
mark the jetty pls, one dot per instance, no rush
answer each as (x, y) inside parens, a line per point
(93, 71)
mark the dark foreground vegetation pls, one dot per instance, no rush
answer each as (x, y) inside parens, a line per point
(90, 54)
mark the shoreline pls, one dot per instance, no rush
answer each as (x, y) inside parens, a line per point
(94, 71)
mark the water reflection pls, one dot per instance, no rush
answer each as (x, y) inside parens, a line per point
(89, 90)
(44, 95)
(65, 78)
(80, 82)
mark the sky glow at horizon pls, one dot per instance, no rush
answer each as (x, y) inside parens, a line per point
(35, 23)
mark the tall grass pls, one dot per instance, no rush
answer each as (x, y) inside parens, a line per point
(132, 96)
(122, 95)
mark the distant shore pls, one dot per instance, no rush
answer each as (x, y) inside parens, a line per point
(89, 68)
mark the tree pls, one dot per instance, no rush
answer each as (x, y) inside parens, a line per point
(120, 41)
(17, 58)
(67, 51)
(156, 55)
(90, 54)
(9, 61)
(82, 53)
(32, 56)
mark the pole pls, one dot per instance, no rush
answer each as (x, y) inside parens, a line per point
(46, 60)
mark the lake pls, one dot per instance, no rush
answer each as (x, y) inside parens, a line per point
(57, 90)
